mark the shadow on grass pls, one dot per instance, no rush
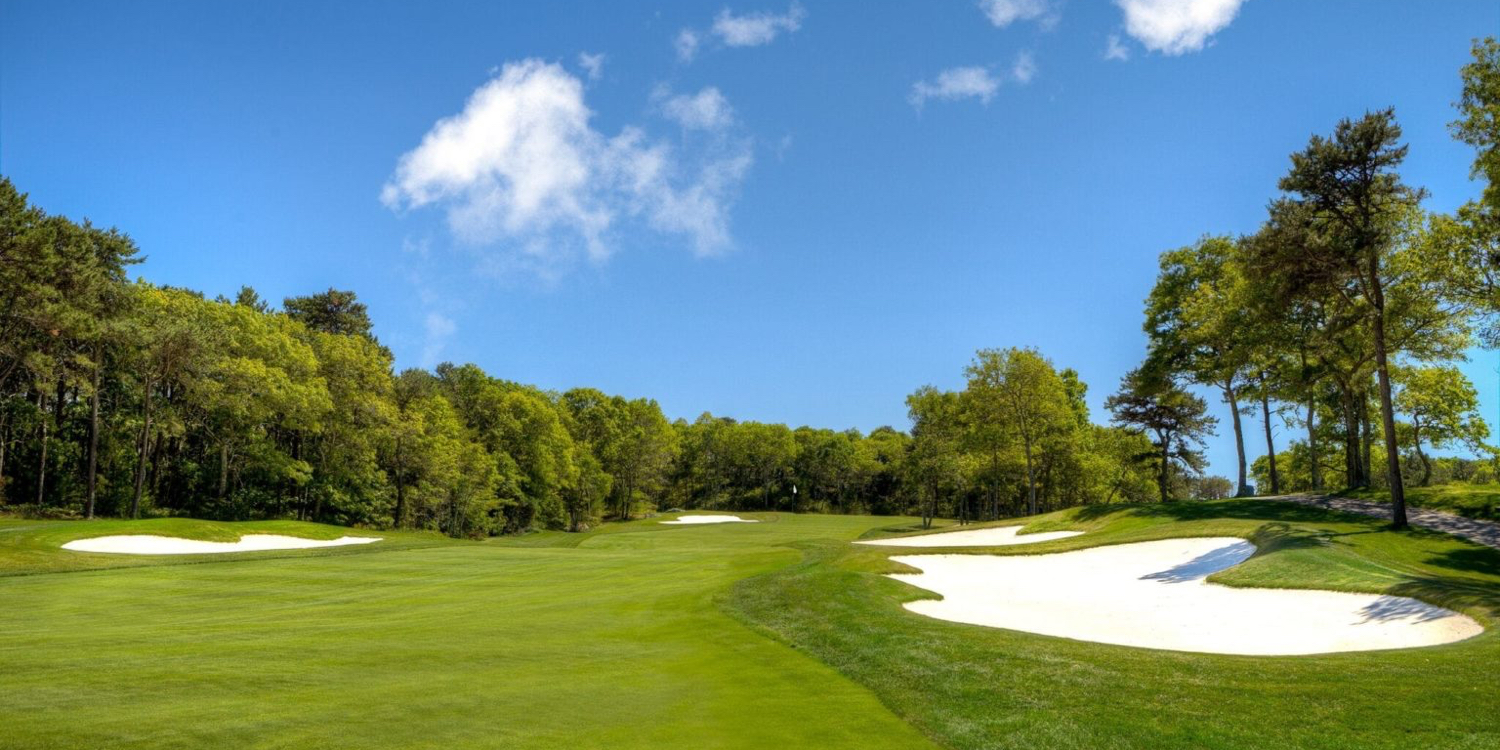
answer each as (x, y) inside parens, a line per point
(1279, 535)
(1250, 510)
(1470, 560)
(1450, 592)
(902, 529)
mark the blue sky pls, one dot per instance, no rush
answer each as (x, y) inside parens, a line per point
(794, 213)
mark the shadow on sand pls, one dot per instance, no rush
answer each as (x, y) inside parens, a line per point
(1228, 556)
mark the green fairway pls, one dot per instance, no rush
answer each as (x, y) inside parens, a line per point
(774, 634)
(605, 640)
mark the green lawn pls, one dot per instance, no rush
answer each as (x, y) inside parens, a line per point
(552, 641)
(1472, 500)
(778, 634)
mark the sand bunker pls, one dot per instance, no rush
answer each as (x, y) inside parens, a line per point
(150, 544)
(992, 537)
(1153, 595)
(693, 520)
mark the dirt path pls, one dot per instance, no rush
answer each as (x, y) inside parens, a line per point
(1482, 532)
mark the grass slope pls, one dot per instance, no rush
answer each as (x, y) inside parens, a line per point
(1471, 500)
(548, 641)
(976, 687)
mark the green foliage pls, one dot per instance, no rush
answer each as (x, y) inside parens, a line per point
(333, 311)
(1442, 408)
(1212, 488)
(1016, 399)
(1175, 420)
(1199, 320)
(1479, 116)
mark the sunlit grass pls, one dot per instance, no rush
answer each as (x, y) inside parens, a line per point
(1472, 500)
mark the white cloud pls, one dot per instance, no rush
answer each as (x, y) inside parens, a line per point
(1175, 27)
(686, 45)
(706, 110)
(755, 29)
(592, 64)
(437, 329)
(956, 83)
(1003, 13)
(522, 170)
(1114, 49)
(1024, 69)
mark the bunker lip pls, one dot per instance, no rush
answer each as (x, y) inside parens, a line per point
(1154, 595)
(693, 520)
(152, 544)
(995, 536)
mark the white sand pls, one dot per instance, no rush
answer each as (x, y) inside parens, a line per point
(1153, 595)
(694, 520)
(150, 544)
(998, 536)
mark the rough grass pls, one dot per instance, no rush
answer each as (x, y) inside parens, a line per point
(639, 635)
(1471, 500)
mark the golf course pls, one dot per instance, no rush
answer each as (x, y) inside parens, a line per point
(645, 634)
(755, 375)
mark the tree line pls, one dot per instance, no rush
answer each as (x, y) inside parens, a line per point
(126, 398)
(1343, 313)
(1341, 316)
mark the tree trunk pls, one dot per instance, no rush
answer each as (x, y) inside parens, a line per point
(1312, 446)
(140, 464)
(159, 448)
(929, 509)
(1366, 444)
(58, 403)
(1030, 482)
(400, 511)
(1166, 462)
(1351, 441)
(41, 471)
(1416, 440)
(223, 469)
(93, 478)
(630, 496)
(4, 443)
(1265, 412)
(1387, 413)
(1242, 489)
